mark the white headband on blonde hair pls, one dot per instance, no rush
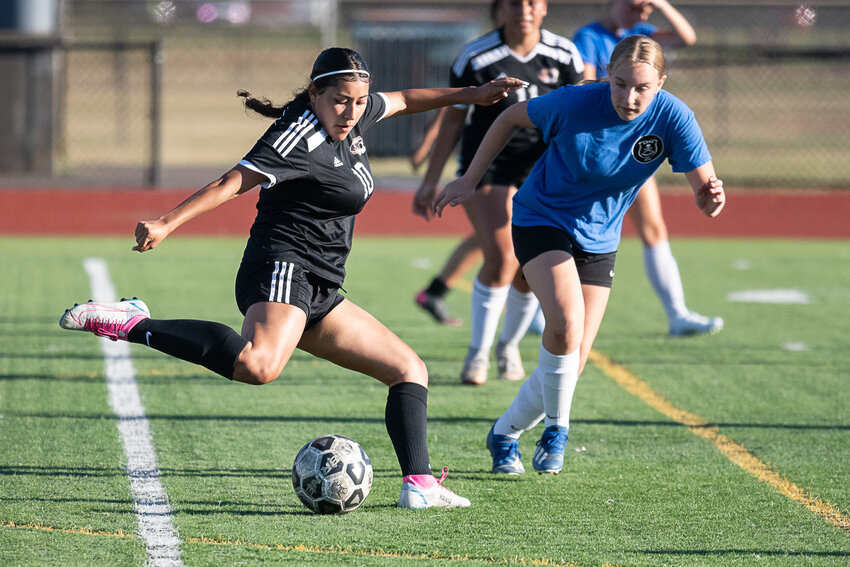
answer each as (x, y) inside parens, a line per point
(339, 73)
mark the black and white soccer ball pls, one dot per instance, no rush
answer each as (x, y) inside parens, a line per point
(332, 475)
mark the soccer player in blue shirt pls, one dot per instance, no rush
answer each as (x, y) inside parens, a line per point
(604, 140)
(596, 41)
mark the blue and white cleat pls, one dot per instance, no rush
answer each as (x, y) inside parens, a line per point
(549, 455)
(505, 452)
(111, 320)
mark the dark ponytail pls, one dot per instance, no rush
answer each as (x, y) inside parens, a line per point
(262, 106)
(328, 68)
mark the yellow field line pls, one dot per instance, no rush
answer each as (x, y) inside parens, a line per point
(339, 550)
(333, 550)
(83, 531)
(735, 452)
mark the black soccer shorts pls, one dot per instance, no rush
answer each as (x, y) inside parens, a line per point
(531, 241)
(286, 282)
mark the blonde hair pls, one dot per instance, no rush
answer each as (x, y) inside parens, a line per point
(639, 49)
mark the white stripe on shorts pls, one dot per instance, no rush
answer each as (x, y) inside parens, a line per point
(281, 282)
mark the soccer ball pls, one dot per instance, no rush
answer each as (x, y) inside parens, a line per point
(332, 475)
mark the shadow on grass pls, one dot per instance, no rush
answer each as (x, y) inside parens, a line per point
(431, 419)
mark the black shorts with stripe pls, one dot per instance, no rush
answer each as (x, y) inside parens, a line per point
(531, 241)
(286, 282)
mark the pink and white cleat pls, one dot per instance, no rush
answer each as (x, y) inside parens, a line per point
(111, 320)
(415, 496)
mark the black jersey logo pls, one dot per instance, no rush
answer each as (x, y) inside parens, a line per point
(647, 148)
(357, 146)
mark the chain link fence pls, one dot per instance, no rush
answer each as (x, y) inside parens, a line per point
(147, 88)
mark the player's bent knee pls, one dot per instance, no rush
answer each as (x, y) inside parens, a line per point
(411, 369)
(257, 373)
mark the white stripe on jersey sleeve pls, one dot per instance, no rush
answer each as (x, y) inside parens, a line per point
(294, 133)
(271, 178)
(473, 48)
(492, 56)
(386, 106)
(559, 42)
(561, 55)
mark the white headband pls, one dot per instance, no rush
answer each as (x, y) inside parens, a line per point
(340, 72)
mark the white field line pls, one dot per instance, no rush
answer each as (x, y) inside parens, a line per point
(150, 500)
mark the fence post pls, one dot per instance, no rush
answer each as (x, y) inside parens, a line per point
(155, 171)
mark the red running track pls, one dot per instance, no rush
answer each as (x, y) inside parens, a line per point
(814, 214)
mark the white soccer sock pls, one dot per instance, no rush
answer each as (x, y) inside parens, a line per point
(519, 312)
(663, 274)
(525, 411)
(560, 376)
(487, 305)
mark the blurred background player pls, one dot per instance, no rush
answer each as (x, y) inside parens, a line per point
(596, 42)
(519, 48)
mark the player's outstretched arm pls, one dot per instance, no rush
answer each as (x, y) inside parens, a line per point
(709, 194)
(235, 182)
(508, 122)
(411, 101)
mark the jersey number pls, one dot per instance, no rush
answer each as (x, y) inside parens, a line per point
(526, 93)
(365, 177)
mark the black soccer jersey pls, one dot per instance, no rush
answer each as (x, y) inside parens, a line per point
(555, 61)
(315, 185)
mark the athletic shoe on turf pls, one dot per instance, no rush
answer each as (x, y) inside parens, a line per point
(509, 362)
(475, 368)
(695, 324)
(438, 496)
(111, 320)
(505, 452)
(437, 308)
(549, 455)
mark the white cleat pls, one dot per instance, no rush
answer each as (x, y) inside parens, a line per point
(474, 371)
(509, 362)
(111, 320)
(695, 324)
(438, 496)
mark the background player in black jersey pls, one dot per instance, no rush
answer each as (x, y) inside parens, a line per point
(522, 49)
(314, 173)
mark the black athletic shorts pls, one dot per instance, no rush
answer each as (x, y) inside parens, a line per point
(531, 241)
(285, 282)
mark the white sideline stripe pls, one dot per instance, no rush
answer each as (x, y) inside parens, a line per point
(149, 498)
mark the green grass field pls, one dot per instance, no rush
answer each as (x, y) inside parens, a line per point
(639, 487)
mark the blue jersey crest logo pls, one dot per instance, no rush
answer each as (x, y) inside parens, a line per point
(647, 148)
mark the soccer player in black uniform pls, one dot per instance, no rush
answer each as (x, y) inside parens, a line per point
(522, 49)
(313, 170)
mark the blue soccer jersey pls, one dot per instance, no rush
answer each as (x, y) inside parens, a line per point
(595, 42)
(595, 162)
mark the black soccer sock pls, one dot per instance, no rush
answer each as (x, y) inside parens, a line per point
(406, 417)
(437, 287)
(212, 345)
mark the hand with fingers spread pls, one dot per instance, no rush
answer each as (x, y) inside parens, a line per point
(453, 195)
